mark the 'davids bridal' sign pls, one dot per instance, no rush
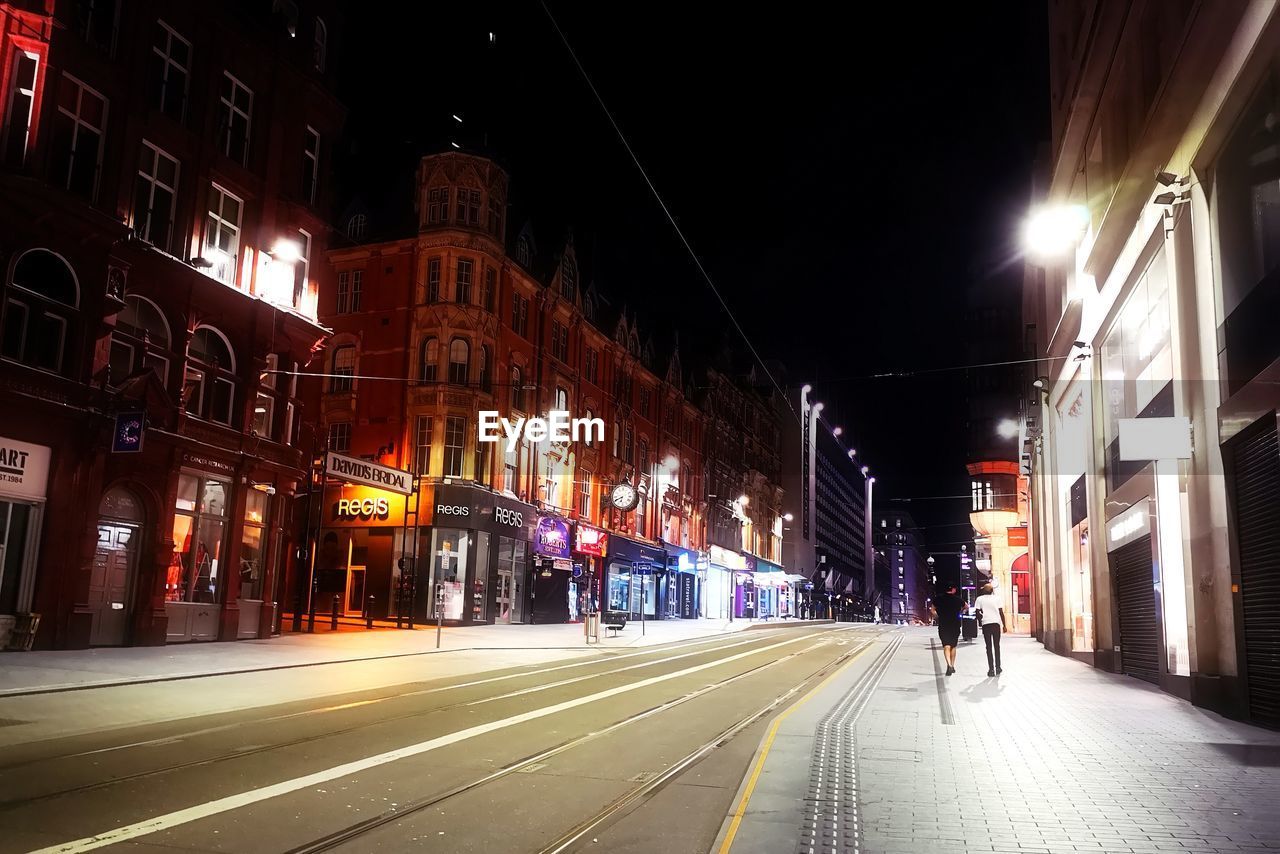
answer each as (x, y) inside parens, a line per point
(369, 474)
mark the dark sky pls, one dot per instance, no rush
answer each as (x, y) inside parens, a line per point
(847, 181)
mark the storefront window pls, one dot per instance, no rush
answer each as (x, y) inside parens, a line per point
(252, 550)
(199, 529)
(449, 552)
(479, 583)
(14, 519)
(619, 587)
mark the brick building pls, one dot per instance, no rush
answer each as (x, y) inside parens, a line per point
(452, 313)
(162, 192)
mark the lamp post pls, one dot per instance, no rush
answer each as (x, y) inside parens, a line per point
(869, 570)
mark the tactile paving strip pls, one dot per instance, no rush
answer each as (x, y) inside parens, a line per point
(831, 805)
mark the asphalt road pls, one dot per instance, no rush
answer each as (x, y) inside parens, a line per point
(636, 751)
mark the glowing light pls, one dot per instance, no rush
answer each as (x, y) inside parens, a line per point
(788, 517)
(287, 251)
(1054, 230)
(743, 500)
(807, 388)
(866, 470)
(1008, 428)
(852, 453)
(836, 431)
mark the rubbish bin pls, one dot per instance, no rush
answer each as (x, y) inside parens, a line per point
(969, 627)
(24, 632)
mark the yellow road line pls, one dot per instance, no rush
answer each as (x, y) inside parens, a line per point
(741, 809)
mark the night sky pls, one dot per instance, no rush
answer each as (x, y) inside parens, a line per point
(848, 182)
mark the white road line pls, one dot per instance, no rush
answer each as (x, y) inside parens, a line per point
(176, 739)
(253, 796)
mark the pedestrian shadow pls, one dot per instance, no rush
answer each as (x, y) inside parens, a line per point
(987, 689)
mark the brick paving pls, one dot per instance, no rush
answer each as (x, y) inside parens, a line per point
(1054, 756)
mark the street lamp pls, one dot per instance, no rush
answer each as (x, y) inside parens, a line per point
(1054, 230)
(1007, 428)
(788, 517)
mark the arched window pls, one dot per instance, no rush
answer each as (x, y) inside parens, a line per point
(643, 466)
(429, 358)
(320, 47)
(569, 278)
(40, 311)
(486, 379)
(562, 399)
(524, 251)
(356, 226)
(517, 389)
(343, 368)
(140, 340)
(459, 361)
(210, 382)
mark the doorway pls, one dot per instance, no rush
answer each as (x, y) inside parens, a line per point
(115, 563)
(355, 591)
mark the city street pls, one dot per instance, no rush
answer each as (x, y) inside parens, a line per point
(795, 738)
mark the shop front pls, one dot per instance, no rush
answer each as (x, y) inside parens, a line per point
(24, 477)
(718, 593)
(746, 596)
(591, 547)
(1136, 582)
(556, 577)
(477, 550)
(769, 582)
(635, 570)
(681, 588)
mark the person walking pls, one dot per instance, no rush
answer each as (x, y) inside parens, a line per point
(991, 617)
(947, 608)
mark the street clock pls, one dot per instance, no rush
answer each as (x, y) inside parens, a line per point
(624, 497)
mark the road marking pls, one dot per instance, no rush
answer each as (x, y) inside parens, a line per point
(741, 809)
(253, 796)
(180, 737)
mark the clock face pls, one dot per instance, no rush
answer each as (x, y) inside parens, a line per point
(624, 497)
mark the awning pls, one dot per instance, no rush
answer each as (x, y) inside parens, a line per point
(623, 550)
(763, 565)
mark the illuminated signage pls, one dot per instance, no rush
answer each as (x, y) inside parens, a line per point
(24, 469)
(552, 537)
(727, 559)
(507, 516)
(369, 474)
(1128, 525)
(362, 508)
(590, 541)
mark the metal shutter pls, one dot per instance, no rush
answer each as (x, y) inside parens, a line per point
(1255, 463)
(1131, 568)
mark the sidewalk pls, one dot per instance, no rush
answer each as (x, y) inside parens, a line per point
(23, 673)
(1052, 756)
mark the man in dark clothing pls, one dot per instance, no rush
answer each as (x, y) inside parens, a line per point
(947, 608)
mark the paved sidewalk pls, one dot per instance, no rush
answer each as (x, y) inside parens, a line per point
(60, 670)
(1052, 756)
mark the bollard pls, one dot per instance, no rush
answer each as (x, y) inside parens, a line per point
(368, 612)
(333, 614)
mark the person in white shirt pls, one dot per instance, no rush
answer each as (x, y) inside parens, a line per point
(991, 614)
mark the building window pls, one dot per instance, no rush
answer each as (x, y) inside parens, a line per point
(486, 378)
(139, 340)
(200, 524)
(252, 541)
(481, 472)
(350, 290)
(644, 401)
(302, 268)
(235, 118)
(344, 369)
(517, 389)
(510, 472)
(428, 358)
(628, 445)
(433, 280)
(643, 466)
(209, 384)
(340, 436)
(561, 399)
(20, 102)
(560, 341)
(357, 226)
(495, 215)
(459, 361)
(77, 137)
(520, 315)
(170, 72)
(569, 278)
(591, 366)
(155, 190)
(455, 429)
(310, 165)
(222, 233)
(320, 46)
(423, 434)
(97, 22)
(589, 441)
(584, 495)
(490, 287)
(642, 510)
(468, 208)
(438, 205)
(524, 251)
(462, 282)
(40, 311)
(263, 413)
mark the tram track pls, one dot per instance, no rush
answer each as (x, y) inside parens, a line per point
(352, 833)
(14, 804)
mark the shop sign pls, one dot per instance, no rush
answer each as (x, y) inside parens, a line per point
(1018, 537)
(130, 428)
(727, 559)
(478, 508)
(590, 541)
(552, 537)
(200, 461)
(363, 508)
(1129, 526)
(24, 469)
(369, 474)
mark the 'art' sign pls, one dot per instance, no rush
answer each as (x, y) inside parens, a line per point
(24, 469)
